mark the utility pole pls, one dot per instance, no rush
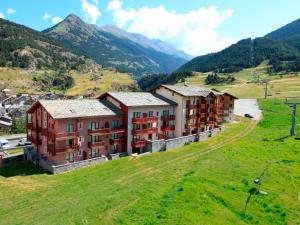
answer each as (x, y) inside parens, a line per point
(266, 83)
(293, 104)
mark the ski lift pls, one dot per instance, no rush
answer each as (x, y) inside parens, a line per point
(297, 135)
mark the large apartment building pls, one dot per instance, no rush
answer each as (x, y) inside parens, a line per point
(65, 131)
(147, 117)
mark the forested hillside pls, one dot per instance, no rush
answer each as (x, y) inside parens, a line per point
(23, 47)
(281, 48)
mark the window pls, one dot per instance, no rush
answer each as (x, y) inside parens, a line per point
(80, 139)
(94, 125)
(166, 112)
(70, 128)
(79, 153)
(69, 142)
(150, 125)
(114, 149)
(150, 113)
(115, 124)
(115, 136)
(94, 139)
(93, 153)
(70, 157)
(136, 115)
(80, 125)
(45, 119)
(137, 126)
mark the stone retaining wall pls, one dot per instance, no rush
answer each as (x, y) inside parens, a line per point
(165, 145)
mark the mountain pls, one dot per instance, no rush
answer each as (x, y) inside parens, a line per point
(142, 40)
(280, 48)
(113, 48)
(287, 32)
(23, 47)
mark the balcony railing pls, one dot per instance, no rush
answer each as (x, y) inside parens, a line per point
(66, 148)
(105, 131)
(145, 131)
(117, 141)
(139, 143)
(168, 128)
(99, 144)
(144, 120)
(65, 135)
(168, 117)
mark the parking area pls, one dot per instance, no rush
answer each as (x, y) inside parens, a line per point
(247, 106)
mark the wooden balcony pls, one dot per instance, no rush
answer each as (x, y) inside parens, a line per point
(145, 131)
(118, 130)
(168, 128)
(168, 117)
(106, 131)
(144, 120)
(117, 141)
(64, 135)
(99, 144)
(66, 148)
(139, 143)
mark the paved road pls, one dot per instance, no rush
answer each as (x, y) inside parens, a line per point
(250, 106)
(12, 140)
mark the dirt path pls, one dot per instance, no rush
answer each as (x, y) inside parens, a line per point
(159, 167)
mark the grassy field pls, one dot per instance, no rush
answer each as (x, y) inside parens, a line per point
(281, 85)
(22, 81)
(201, 183)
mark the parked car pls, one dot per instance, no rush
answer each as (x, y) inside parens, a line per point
(23, 142)
(248, 116)
(4, 144)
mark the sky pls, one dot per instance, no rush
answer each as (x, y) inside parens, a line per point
(195, 26)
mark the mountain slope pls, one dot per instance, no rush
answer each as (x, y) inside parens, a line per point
(23, 47)
(289, 31)
(280, 48)
(142, 40)
(111, 50)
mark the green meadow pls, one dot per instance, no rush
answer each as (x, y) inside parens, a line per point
(201, 183)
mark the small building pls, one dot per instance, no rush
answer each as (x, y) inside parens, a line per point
(147, 117)
(65, 131)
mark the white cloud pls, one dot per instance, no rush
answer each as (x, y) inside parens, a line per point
(46, 16)
(195, 32)
(11, 11)
(91, 11)
(1, 16)
(56, 19)
(114, 5)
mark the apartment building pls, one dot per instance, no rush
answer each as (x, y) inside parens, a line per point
(196, 109)
(147, 117)
(64, 131)
(225, 106)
